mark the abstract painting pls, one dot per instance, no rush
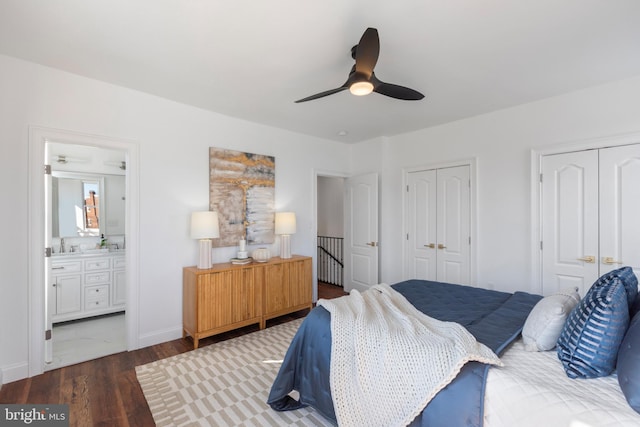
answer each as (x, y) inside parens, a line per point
(242, 191)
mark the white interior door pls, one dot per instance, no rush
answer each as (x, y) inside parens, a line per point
(570, 221)
(590, 210)
(439, 221)
(453, 217)
(620, 208)
(361, 232)
(421, 219)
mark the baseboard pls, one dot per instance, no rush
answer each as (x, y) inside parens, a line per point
(159, 337)
(15, 372)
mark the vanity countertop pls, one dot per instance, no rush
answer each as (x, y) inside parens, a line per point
(90, 253)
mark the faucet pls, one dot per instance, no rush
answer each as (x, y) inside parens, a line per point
(62, 245)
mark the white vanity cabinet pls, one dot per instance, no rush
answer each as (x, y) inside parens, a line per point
(97, 281)
(119, 282)
(66, 294)
(87, 286)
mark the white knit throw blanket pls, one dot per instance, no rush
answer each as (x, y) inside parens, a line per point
(388, 359)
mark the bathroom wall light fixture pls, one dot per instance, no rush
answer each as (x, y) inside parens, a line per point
(285, 226)
(119, 164)
(204, 227)
(63, 160)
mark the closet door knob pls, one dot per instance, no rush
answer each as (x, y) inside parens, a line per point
(441, 246)
(590, 259)
(609, 260)
(430, 245)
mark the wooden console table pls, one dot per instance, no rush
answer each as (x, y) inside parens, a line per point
(229, 296)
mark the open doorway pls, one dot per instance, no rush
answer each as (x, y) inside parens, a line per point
(86, 287)
(352, 203)
(330, 231)
(40, 236)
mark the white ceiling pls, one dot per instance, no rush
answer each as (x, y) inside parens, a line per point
(252, 59)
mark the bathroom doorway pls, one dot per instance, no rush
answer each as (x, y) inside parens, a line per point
(86, 291)
(99, 277)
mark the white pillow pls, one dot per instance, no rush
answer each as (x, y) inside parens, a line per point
(545, 322)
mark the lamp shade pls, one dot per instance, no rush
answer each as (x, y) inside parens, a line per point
(204, 225)
(285, 223)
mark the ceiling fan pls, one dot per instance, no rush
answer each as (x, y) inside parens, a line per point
(362, 80)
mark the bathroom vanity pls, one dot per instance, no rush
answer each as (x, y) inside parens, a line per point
(87, 284)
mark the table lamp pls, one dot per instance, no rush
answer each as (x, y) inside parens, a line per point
(204, 227)
(285, 227)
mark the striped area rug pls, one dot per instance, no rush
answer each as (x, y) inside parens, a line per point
(223, 384)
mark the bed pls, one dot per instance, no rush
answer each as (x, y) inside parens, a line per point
(478, 396)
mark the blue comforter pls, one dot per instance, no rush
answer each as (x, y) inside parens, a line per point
(494, 318)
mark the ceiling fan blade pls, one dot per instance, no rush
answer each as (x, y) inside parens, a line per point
(395, 91)
(322, 94)
(367, 52)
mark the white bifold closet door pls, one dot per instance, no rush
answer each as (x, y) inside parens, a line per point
(438, 221)
(590, 215)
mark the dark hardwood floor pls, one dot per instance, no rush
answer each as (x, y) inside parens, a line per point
(328, 291)
(105, 391)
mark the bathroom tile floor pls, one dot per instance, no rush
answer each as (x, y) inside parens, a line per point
(82, 340)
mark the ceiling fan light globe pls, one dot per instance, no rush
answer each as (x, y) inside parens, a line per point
(361, 88)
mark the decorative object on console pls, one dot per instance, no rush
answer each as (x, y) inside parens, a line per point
(285, 227)
(204, 227)
(242, 191)
(242, 249)
(261, 255)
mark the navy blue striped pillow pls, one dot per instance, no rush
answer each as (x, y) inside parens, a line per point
(628, 278)
(589, 342)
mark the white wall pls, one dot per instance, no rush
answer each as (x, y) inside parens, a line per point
(173, 144)
(174, 140)
(502, 143)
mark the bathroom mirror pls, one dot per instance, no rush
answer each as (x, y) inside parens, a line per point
(77, 205)
(85, 204)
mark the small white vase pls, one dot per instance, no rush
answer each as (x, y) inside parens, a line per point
(261, 255)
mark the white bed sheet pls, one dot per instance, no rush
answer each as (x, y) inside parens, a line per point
(532, 390)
